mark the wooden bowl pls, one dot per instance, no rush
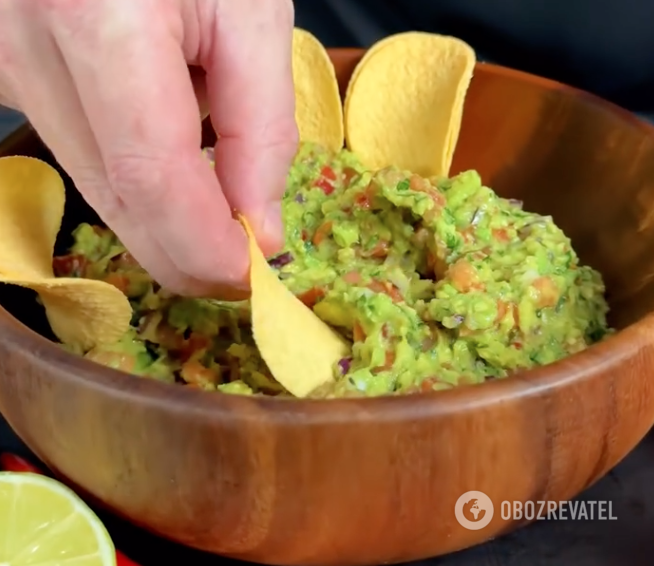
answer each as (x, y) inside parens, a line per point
(372, 481)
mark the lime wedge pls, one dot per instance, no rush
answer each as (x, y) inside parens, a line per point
(43, 523)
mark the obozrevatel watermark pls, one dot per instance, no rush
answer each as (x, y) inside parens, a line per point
(474, 510)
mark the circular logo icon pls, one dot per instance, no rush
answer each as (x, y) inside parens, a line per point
(473, 510)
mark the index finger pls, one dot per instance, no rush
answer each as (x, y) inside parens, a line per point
(129, 68)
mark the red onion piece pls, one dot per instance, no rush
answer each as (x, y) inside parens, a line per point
(281, 260)
(344, 365)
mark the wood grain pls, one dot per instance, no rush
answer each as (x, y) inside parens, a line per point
(357, 482)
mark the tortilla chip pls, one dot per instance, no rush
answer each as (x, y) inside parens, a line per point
(404, 104)
(300, 350)
(374, 48)
(81, 312)
(32, 197)
(318, 109)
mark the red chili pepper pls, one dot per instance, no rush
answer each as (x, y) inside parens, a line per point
(122, 560)
(13, 463)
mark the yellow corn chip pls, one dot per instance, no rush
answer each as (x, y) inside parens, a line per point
(32, 197)
(318, 109)
(299, 348)
(81, 312)
(404, 104)
(374, 48)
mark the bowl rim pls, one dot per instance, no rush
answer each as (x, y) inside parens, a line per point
(48, 356)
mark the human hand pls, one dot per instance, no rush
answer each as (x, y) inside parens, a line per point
(106, 85)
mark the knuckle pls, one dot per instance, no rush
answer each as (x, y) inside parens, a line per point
(139, 181)
(93, 186)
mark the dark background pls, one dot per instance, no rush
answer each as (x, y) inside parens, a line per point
(604, 46)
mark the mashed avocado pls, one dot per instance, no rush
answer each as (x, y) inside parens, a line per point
(436, 282)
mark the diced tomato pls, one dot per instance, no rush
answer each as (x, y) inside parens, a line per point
(305, 235)
(427, 384)
(388, 288)
(394, 293)
(517, 345)
(352, 277)
(417, 183)
(193, 372)
(322, 232)
(312, 296)
(121, 282)
(389, 360)
(71, 265)
(548, 294)
(379, 250)
(467, 234)
(196, 343)
(436, 265)
(501, 235)
(364, 198)
(464, 276)
(437, 197)
(326, 180)
(377, 286)
(385, 331)
(328, 173)
(325, 186)
(358, 334)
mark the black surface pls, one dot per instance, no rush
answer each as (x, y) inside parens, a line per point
(605, 46)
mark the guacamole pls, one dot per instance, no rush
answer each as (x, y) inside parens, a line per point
(435, 282)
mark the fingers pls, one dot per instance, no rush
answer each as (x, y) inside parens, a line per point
(246, 51)
(127, 66)
(141, 168)
(39, 78)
